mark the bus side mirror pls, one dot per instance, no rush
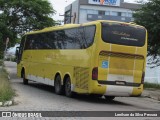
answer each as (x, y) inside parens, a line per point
(17, 54)
(17, 51)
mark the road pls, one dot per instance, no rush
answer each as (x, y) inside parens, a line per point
(39, 97)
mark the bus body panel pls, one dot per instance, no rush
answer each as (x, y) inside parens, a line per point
(117, 65)
(122, 64)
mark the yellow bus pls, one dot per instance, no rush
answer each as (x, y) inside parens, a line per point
(105, 58)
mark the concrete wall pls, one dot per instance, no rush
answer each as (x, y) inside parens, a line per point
(152, 75)
(80, 8)
(86, 10)
(74, 8)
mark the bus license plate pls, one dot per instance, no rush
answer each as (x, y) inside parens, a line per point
(120, 83)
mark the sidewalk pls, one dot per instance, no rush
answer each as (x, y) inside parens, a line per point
(151, 93)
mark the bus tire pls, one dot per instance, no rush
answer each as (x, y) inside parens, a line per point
(67, 87)
(25, 81)
(58, 86)
(109, 98)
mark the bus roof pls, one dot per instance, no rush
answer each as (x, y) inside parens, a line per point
(77, 25)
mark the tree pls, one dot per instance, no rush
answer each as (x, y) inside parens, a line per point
(20, 16)
(149, 17)
(5, 32)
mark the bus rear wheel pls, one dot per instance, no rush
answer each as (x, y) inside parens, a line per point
(57, 85)
(25, 81)
(109, 98)
(67, 87)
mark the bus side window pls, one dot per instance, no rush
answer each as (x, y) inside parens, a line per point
(72, 39)
(86, 36)
(27, 44)
(30, 42)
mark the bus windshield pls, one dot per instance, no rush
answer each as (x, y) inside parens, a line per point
(123, 34)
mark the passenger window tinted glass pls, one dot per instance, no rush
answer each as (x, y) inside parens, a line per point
(50, 40)
(89, 33)
(123, 34)
(61, 39)
(80, 38)
(72, 40)
(27, 44)
(75, 38)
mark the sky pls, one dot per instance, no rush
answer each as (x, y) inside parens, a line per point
(59, 6)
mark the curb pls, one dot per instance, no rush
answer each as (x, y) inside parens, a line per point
(152, 97)
(6, 103)
(152, 94)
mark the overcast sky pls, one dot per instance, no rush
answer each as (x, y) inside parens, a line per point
(59, 6)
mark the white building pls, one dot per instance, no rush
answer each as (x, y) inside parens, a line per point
(81, 11)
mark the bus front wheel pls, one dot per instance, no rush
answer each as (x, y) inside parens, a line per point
(25, 81)
(67, 87)
(57, 85)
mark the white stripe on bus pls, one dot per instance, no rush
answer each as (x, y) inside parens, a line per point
(45, 81)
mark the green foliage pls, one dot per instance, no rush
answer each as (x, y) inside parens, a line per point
(20, 16)
(25, 15)
(149, 16)
(151, 85)
(1, 62)
(6, 92)
(5, 32)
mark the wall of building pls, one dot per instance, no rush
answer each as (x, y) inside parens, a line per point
(75, 11)
(82, 11)
(152, 75)
(123, 4)
(89, 13)
(74, 15)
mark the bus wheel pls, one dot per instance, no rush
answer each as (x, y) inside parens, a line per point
(25, 81)
(57, 85)
(109, 98)
(67, 88)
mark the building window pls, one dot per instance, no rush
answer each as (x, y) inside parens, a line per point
(123, 18)
(123, 14)
(67, 17)
(85, 10)
(130, 15)
(99, 17)
(107, 13)
(90, 11)
(114, 13)
(101, 12)
(95, 11)
(119, 13)
(89, 16)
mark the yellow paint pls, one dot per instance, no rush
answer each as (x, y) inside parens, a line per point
(46, 63)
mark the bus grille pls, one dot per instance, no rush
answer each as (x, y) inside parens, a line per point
(122, 55)
(81, 76)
